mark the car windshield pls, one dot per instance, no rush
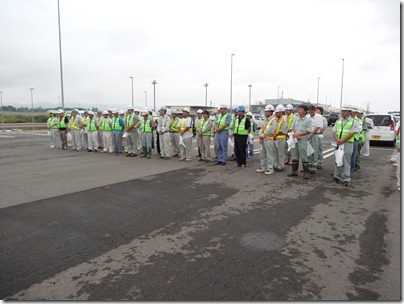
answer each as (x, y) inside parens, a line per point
(381, 120)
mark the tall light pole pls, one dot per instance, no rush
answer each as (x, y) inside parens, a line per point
(318, 87)
(60, 59)
(342, 84)
(32, 107)
(231, 80)
(277, 95)
(206, 94)
(131, 77)
(145, 99)
(249, 98)
(154, 93)
(59, 101)
(1, 102)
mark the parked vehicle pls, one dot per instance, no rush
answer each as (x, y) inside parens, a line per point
(259, 120)
(332, 118)
(383, 129)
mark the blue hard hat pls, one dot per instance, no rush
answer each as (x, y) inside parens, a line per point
(235, 111)
(241, 108)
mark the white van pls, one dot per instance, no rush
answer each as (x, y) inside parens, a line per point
(383, 129)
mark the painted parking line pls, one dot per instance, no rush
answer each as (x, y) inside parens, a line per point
(7, 136)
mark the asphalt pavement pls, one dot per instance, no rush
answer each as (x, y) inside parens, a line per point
(87, 226)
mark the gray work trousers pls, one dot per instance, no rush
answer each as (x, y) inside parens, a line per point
(205, 147)
(165, 147)
(186, 152)
(117, 141)
(132, 141)
(343, 173)
(313, 158)
(76, 139)
(279, 154)
(53, 136)
(300, 150)
(267, 155)
(175, 142)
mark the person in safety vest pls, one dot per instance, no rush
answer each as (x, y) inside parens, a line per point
(290, 116)
(300, 129)
(343, 133)
(118, 126)
(231, 133)
(198, 129)
(146, 129)
(163, 128)
(205, 127)
(174, 133)
(242, 127)
(92, 133)
(354, 113)
(223, 121)
(280, 138)
(266, 139)
(76, 124)
(131, 120)
(53, 126)
(84, 135)
(361, 137)
(214, 121)
(320, 158)
(62, 123)
(99, 120)
(106, 128)
(250, 143)
(314, 139)
(185, 127)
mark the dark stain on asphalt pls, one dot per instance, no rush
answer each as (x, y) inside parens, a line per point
(372, 255)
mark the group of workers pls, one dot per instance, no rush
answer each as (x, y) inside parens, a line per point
(285, 138)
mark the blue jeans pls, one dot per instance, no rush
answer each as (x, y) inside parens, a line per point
(222, 139)
(353, 157)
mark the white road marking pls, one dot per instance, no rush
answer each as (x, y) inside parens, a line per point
(6, 136)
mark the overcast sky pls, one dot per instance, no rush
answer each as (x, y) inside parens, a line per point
(183, 44)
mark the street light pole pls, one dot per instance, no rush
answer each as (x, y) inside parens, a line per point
(32, 107)
(206, 94)
(145, 99)
(342, 84)
(2, 114)
(60, 59)
(249, 98)
(131, 77)
(318, 87)
(154, 93)
(277, 95)
(231, 80)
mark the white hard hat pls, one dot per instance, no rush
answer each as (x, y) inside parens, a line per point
(163, 108)
(249, 114)
(346, 107)
(174, 111)
(354, 109)
(279, 108)
(223, 107)
(121, 112)
(218, 108)
(110, 109)
(130, 107)
(289, 107)
(199, 111)
(269, 108)
(59, 112)
(105, 112)
(90, 113)
(185, 110)
(114, 111)
(144, 112)
(136, 110)
(361, 110)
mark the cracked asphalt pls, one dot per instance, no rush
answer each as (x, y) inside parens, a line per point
(80, 226)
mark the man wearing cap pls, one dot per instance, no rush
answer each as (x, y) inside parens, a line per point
(106, 128)
(343, 134)
(204, 134)
(174, 133)
(84, 135)
(300, 129)
(118, 126)
(99, 120)
(92, 133)
(131, 141)
(53, 126)
(266, 139)
(280, 138)
(314, 140)
(198, 130)
(146, 128)
(76, 125)
(185, 127)
(242, 127)
(290, 116)
(62, 125)
(163, 128)
(223, 121)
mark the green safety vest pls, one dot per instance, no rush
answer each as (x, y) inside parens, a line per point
(173, 124)
(203, 125)
(398, 141)
(91, 125)
(197, 124)
(357, 135)
(115, 124)
(51, 122)
(290, 120)
(239, 128)
(129, 120)
(85, 122)
(344, 130)
(182, 124)
(145, 127)
(221, 120)
(106, 124)
(62, 124)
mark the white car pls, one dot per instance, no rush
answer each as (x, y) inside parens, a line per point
(259, 120)
(384, 129)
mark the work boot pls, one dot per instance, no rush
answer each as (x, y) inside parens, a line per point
(144, 153)
(148, 153)
(305, 170)
(295, 167)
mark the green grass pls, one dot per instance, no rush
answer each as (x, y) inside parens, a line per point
(22, 118)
